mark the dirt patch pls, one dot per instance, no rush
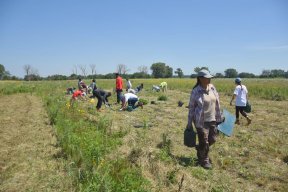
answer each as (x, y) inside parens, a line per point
(28, 148)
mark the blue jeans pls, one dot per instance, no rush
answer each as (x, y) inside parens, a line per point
(132, 102)
(119, 93)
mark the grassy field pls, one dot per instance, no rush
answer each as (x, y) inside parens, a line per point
(143, 150)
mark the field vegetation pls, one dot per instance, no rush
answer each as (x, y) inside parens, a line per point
(143, 150)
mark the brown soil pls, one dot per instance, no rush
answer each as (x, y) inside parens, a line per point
(28, 148)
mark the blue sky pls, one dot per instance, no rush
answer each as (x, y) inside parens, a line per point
(53, 36)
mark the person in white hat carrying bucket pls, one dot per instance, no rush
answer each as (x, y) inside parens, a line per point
(204, 112)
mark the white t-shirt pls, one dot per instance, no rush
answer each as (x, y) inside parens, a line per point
(128, 84)
(241, 95)
(129, 96)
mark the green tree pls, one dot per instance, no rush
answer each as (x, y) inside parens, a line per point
(3, 72)
(277, 73)
(246, 75)
(219, 75)
(179, 72)
(160, 70)
(197, 69)
(138, 75)
(231, 73)
(168, 72)
(265, 73)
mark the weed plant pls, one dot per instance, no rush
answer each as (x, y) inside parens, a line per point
(162, 98)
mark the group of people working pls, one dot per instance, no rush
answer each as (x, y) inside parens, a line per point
(128, 99)
(204, 107)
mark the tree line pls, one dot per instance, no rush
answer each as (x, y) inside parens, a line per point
(159, 70)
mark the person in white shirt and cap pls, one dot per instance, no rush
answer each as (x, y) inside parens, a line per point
(241, 95)
(130, 99)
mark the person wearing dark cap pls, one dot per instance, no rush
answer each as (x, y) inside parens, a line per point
(204, 112)
(241, 95)
(119, 87)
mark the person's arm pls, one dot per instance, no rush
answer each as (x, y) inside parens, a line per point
(191, 108)
(123, 107)
(246, 94)
(124, 103)
(218, 116)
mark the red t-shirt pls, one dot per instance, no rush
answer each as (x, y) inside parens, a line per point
(119, 83)
(77, 93)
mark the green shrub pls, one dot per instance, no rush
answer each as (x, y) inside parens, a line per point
(162, 98)
(144, 101)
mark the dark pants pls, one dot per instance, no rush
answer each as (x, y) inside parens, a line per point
(132, 102)
(206, 138)
(101, 96)
(100, 101)
(119, 93)
(241, 110)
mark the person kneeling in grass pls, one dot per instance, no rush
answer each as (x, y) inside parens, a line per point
(78, 94)
(130, 99)
(102, 96)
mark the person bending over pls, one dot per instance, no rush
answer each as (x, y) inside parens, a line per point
(163, 86)
(130, 99)
(102, 97)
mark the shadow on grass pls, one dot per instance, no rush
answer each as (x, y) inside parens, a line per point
(60, 155)
(187, 161)
(285, 159)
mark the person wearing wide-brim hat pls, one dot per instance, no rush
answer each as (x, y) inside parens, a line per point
(241, 95)
(204, 112)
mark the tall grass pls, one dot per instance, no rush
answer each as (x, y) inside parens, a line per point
(270, 89)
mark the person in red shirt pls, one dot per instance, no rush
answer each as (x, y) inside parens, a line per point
(77, 94)
(119, 87)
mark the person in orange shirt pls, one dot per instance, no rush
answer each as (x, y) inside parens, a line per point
(77, 94)
(119, 87)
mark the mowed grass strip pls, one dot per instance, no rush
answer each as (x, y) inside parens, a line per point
(28, 148)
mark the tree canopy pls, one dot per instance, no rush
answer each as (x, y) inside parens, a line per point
(231, 73)
(197, 69)
(161, 70)
(179, 72)
(3, 72)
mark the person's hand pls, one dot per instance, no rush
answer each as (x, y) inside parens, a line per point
(189, 126)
